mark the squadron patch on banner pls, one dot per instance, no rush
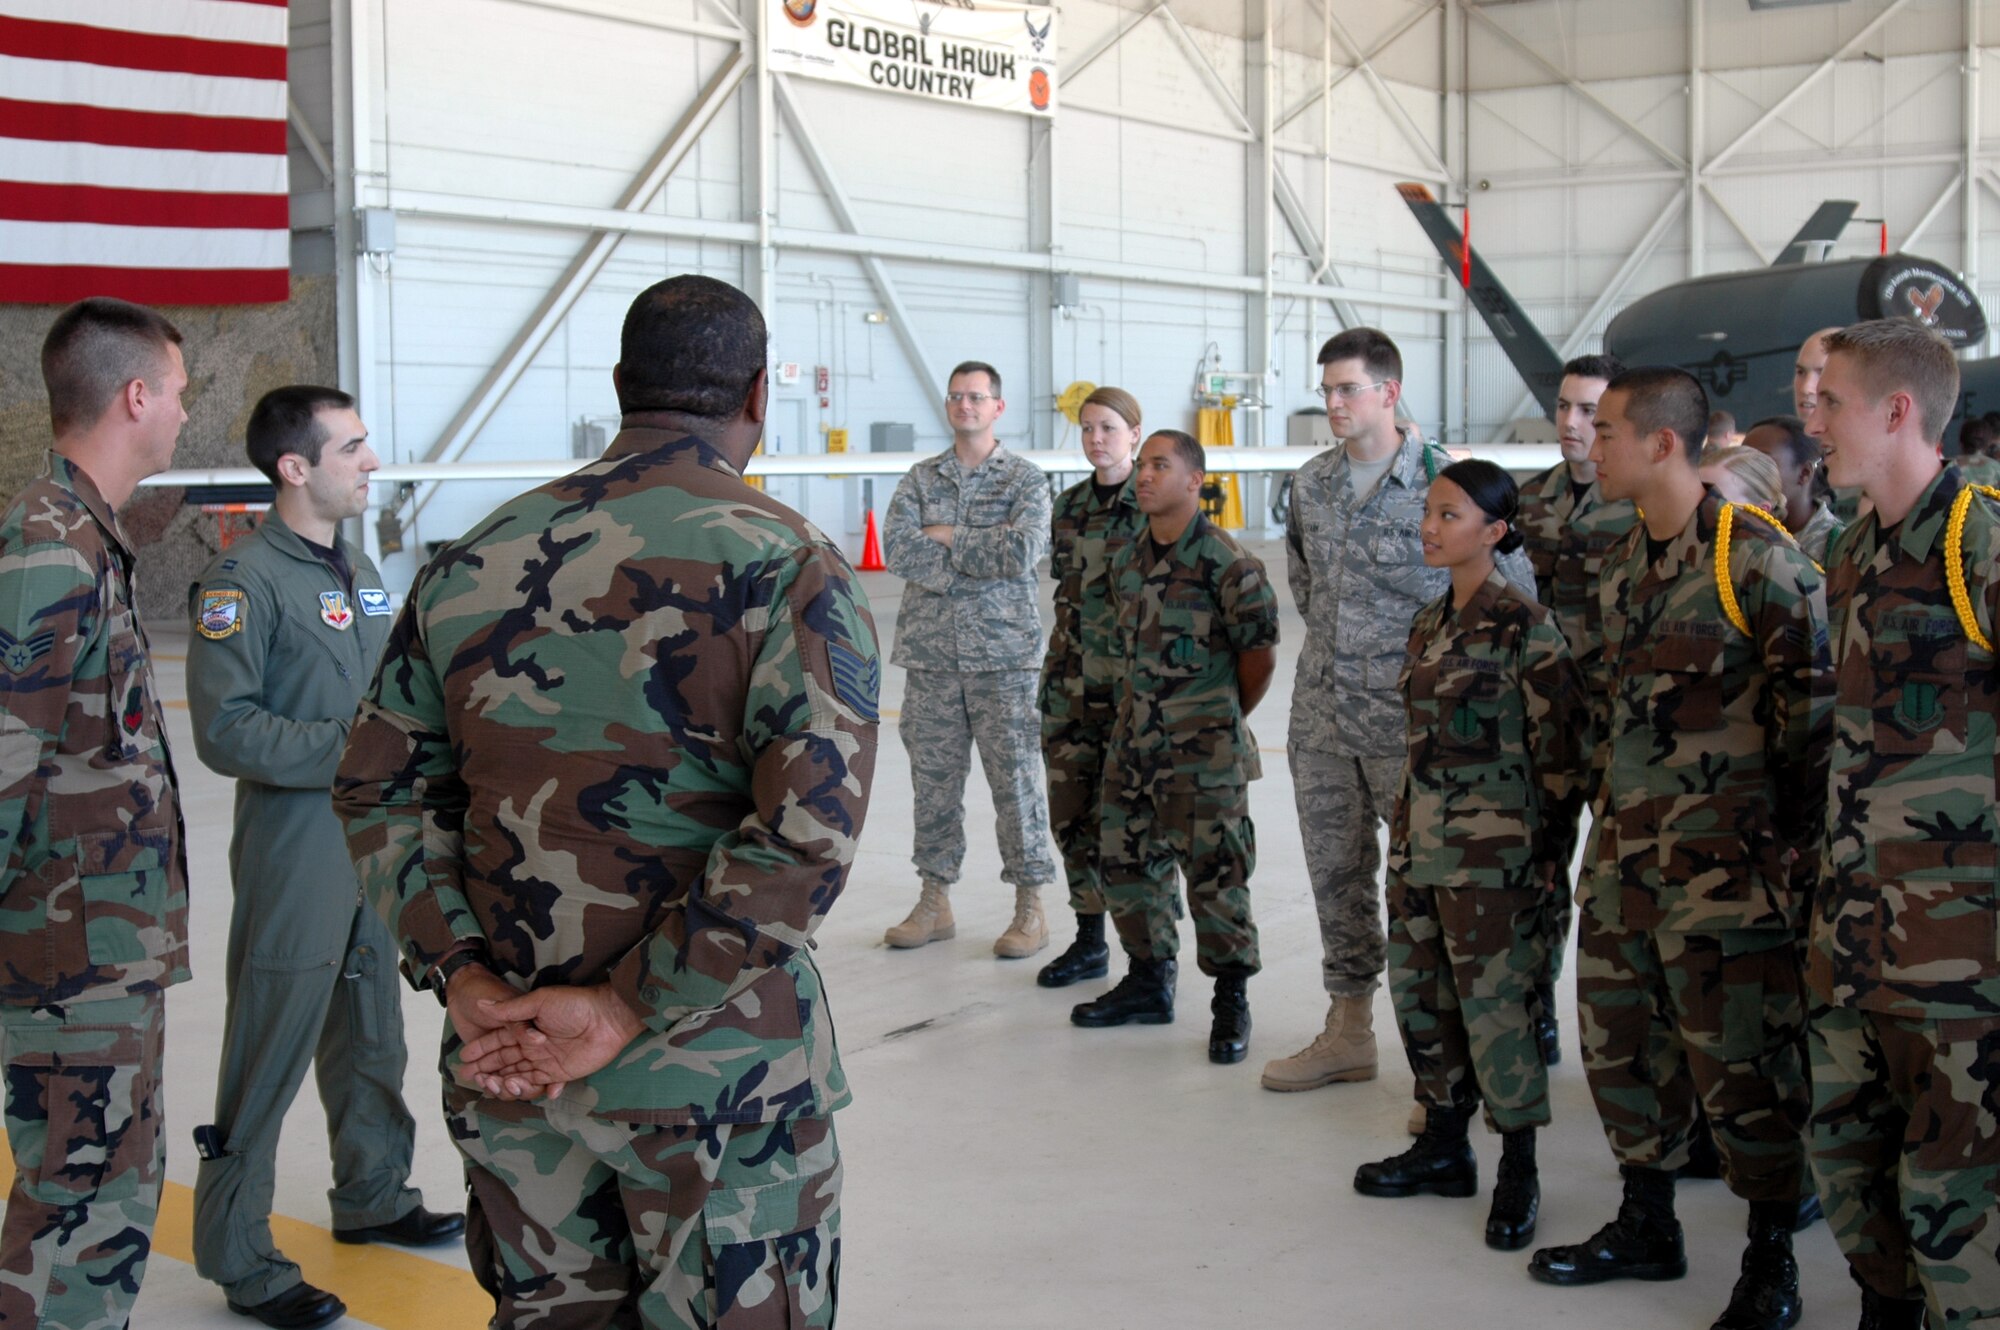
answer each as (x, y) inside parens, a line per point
(219, 615)
(333, 609)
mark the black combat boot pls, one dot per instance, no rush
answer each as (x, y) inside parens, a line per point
(1145, 996)
(1517, 1193)
(1229, 1037)
(1885, 1313)
(1643, 1242)
(1547, 1035)
(1441, 1162)
(1087, 957)
(1704, 1160)
(1766, 1296)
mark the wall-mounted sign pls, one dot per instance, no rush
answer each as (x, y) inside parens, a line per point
(999, 56)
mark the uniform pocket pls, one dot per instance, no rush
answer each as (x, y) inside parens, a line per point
(1468, 712)
(1687, 683)
(1938, 895)
(1184, 636)
(774, 1252)
(124, 891)
(84, 1129)
(1919, 713)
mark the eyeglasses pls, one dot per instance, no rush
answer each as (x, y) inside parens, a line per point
(976, 399)
(1346, 392)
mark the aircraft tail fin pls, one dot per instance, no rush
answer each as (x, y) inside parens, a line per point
(1536, 361)
(1818, 234)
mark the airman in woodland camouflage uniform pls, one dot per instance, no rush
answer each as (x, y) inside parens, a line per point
(1094, 520)
(1810, 519)
(1569, 527)
(1197, 631)
(612, 773)
(1687, 978)
(93, 863)
(965, 531)
(1485, 824)
(1358, 577)
(1903, 975)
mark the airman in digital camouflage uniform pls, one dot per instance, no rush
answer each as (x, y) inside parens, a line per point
(93, 861)
(1903, 974)
(612, 773)
(1197, 627)
(288, 624)
(1687, 975)
(1094, 520)
(1569, 527)
(1357, 574)
(1499, 746)
(964, 532)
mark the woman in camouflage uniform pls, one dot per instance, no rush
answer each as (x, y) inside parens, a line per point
(1093, 520)
(1484, 827)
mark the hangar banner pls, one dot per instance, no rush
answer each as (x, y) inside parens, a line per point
(975, 53)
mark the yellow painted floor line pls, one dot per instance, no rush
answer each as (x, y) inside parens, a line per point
(384, 1286)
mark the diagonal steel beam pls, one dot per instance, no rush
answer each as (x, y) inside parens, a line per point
(1627, 270)
(527, 343)
(1294, 213)
(1382, 43)
(1672, 158)
(1763, 257)
(1779, 107)
(309, 140)
(1387, 98)
(1118, 34)
(1946, 195)
(1223, 96)
(878, 272)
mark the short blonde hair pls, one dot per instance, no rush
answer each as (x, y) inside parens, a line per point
(1897, 354)
(1757, 473)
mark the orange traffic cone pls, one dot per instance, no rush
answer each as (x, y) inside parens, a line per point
(871, 548)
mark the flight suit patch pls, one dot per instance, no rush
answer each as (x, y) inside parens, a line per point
(374, 600)
(334, 611)
(220, 614)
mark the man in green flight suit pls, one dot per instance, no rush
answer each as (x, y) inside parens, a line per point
(288, 625)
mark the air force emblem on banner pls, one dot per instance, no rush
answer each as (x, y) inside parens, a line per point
(219, 615)
(856, 682)
(333, 609)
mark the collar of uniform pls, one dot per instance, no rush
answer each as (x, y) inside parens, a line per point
(1408, 468)
(280, 536)
(78, 482)
(1190, 533)
(635, 441)
(1921, 532)
(948, 460)
(1685, 549)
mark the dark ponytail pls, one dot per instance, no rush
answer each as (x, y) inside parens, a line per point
(1494, 491)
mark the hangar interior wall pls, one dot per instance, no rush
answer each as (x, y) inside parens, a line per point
(501, 135)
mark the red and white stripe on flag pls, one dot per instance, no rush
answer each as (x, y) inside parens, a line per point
(142, 151)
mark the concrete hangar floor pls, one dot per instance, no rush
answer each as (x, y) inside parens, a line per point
(1006, 1169)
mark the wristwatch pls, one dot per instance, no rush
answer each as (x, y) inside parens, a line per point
(442, 972)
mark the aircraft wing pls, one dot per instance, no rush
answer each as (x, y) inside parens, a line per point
(1535, 360)
(1821, 229)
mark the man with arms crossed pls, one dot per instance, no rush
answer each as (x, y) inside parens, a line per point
(1902, 970)
(965, 531)
(93, 861)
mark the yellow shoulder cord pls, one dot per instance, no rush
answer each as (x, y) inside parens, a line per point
(1723, 583)
(1954, 563)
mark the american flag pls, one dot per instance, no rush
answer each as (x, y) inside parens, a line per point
(142, 151)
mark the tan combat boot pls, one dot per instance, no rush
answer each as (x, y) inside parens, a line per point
(1029, 932)
(1343, 1051)
(931, 921)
